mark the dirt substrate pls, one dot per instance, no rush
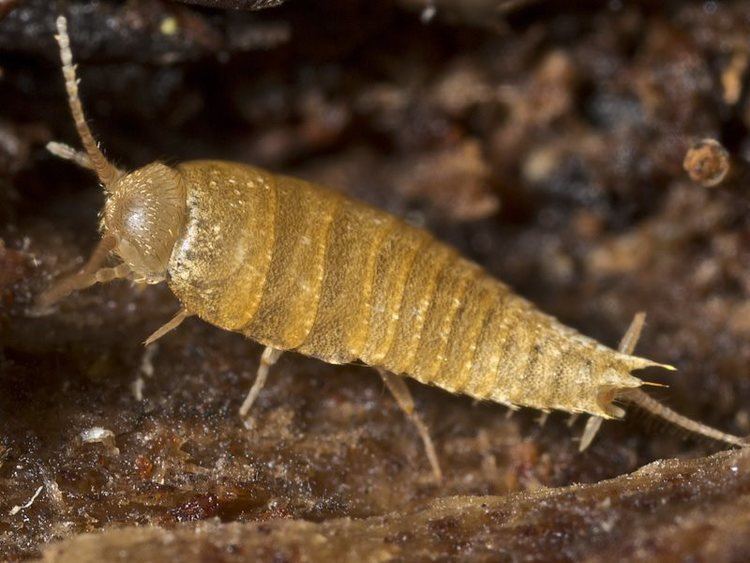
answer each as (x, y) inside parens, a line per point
(545, 142)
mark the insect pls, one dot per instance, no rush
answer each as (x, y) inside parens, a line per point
(295, 266)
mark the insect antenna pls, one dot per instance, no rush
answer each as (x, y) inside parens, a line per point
(105, 170)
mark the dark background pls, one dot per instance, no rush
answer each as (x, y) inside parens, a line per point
(544, 140)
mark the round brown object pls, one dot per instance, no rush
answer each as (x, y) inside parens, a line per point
(707, 163)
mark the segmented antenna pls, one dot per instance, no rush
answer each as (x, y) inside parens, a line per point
(104, 169)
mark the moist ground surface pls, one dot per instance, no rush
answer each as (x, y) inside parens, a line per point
(544, 141)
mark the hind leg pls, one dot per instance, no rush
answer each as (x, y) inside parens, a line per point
(627, 345)
(401, 393)
(269, 357)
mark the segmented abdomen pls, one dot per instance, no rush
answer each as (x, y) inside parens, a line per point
(336, 279)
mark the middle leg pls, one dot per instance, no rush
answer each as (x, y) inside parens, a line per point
(269, 357)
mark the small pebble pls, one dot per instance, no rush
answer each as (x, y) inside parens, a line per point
(707, 163)
(97, 434)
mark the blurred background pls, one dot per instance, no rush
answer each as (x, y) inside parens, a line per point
(592, 156)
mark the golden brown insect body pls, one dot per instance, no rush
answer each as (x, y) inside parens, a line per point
(296, 266)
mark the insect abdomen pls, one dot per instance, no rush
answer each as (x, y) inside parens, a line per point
(460, 329)
(298, 267)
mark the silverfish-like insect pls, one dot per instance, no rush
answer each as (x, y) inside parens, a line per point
(296, 266)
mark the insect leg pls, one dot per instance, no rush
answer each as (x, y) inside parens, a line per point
(593, 424)
(401, 393)
(90, 274)
(267, 359)
(169, 326)
(541, 420)
(627, 345)
(66, 152)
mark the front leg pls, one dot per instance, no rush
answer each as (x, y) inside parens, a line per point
(169, 326)
(90, 274)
